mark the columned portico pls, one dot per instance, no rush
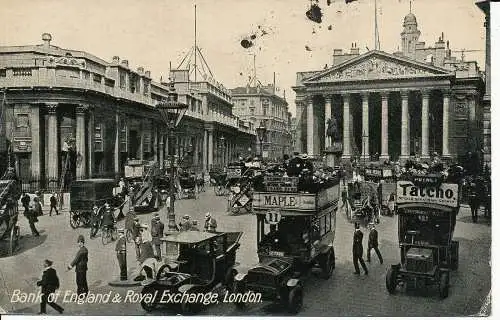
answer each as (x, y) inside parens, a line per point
(80, 142)
(328, 115)
(210, 148)
(446, 112)
(53, 155)
(310, 126)
(365, 153)
(385, 126)
(346, 130)
(405, 125)
(425, 124)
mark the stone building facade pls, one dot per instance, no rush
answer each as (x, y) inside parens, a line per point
(410, 103)
(55, 98)
(261, 105)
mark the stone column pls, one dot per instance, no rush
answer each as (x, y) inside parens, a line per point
(365, 154)
(205, 150)
(298, 137)
(346, 134)
(53, 158)
(310, 126)
(405, 125)
(425, 124)
(141, 144)
(35, 142)
(90, 140)
(117, 145)
(80, 142)
(210, 149)
(155, 143)
(385, 126)
(446, 115)
(328, 115)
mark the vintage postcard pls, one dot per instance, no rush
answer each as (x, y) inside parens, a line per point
(245, 158)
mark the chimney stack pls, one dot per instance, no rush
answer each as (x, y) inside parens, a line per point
(125, 63)
(148, 73)
(140, 70)
(116, 59)
(337, 52)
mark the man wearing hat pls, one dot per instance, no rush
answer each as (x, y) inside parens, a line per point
(80, 264)
(357, 249)
(373, 243)
(49, 284)
(121, 253)
(210, 223)
(136, 233)
(157, 228)
(185, 224)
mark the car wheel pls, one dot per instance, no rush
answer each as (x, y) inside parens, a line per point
(73, 219)
(327, 265)
(150, 305)
(229, 278)
(444, 284)
(162, 272)
(295, 300)
(239, 287)
(390, 280)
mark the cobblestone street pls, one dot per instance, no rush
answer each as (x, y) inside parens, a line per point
(344, 294)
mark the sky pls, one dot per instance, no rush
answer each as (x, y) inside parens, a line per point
(154, 33)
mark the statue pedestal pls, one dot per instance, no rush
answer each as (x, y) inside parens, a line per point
(333, 154)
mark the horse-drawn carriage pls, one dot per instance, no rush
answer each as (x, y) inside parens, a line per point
(362, 202)
(9, 230)
(218, 179)
(386, 179)
(87, 198)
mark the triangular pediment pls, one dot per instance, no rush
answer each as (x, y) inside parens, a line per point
(375, 65)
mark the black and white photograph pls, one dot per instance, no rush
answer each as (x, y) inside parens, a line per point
(310, 158)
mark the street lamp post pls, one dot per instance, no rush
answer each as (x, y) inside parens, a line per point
(171, 112)
(261, 133)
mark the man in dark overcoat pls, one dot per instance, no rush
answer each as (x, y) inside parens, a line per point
(80, 264)
(49, 284)
(357, 249)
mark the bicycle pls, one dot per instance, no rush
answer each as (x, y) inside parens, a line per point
(109, 234)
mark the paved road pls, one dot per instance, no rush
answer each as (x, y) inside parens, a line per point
(345, 294)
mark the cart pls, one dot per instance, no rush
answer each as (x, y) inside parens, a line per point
(188, 185)
(362, 202)
(427, 210)
(9, 230)
(87, 198)
(295, 234)
(218, 179)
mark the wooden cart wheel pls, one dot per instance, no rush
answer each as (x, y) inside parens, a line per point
(14, 240)
(129, 236)
(74, 219)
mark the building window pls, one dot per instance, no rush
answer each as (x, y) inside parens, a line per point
(97, 78)
(22, 125)
(3, 73)
(122, 79)
(252, 111)
(21, 72)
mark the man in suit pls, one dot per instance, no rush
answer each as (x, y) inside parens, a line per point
(121, 254)
(32, 215)
(373, 243)
(80, 264)
(49, 284)
(357, 249)
(157, 228)
(25, 200)
(53, 204)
